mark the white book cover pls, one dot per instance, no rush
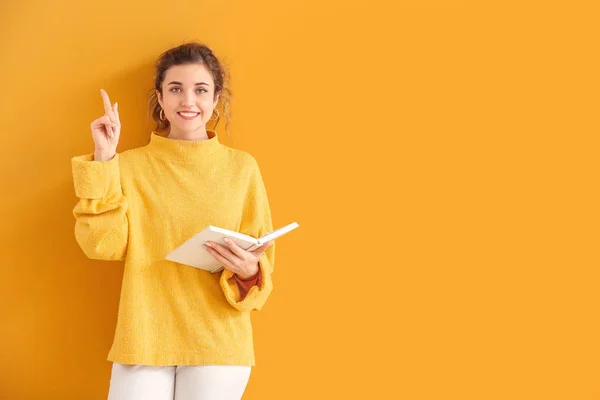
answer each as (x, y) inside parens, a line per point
(193, 254)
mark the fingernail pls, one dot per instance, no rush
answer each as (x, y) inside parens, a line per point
(226, 240)
(208, 244)
(116, 105)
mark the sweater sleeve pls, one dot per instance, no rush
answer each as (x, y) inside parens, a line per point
(256, 222)
(101, 225)
(244, 286)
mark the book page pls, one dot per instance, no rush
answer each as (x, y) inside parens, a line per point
(279, 232)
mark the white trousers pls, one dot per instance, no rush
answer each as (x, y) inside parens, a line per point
(182, 382)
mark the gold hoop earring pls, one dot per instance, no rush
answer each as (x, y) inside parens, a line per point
(161, 115)
(218, 115)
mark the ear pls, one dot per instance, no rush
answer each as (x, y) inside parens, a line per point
(216, 101)
(158, 96)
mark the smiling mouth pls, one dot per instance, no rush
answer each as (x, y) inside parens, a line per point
(188, 115)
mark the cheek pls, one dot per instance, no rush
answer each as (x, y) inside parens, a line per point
(206, 105)
(171, 102)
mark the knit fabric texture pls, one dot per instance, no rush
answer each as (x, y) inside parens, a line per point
(146, 201)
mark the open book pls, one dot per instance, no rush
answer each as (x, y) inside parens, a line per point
(193, 254)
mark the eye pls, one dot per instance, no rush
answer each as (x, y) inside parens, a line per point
(173, 89)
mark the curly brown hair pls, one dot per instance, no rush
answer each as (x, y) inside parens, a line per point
(191, 53)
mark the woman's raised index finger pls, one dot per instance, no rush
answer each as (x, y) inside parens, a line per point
(115, 109)
(106, 101)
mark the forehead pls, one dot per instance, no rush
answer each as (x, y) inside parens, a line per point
(188, 74)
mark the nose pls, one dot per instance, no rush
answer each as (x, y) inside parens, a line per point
(188, 99)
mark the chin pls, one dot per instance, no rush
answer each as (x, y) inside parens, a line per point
(191, 129)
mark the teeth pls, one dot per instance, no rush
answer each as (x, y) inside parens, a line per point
(188, 114)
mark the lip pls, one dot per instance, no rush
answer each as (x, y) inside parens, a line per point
(188, 118)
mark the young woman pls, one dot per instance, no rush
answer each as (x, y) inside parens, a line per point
(182, 333)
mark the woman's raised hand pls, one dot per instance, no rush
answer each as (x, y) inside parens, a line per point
(106, 130)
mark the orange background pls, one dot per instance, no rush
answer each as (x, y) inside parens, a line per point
(441, 159)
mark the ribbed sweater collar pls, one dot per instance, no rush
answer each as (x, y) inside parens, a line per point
(184, 150)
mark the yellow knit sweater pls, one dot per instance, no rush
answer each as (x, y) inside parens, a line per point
(143, 203)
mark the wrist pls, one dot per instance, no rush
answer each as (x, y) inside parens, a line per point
(103, 155)
(249, 277)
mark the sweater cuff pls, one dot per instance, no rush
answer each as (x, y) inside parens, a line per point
(245, 285)
(96, 179)
(248, 283)
(256, 296)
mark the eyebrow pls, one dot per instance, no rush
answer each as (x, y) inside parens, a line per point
(179, 83)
